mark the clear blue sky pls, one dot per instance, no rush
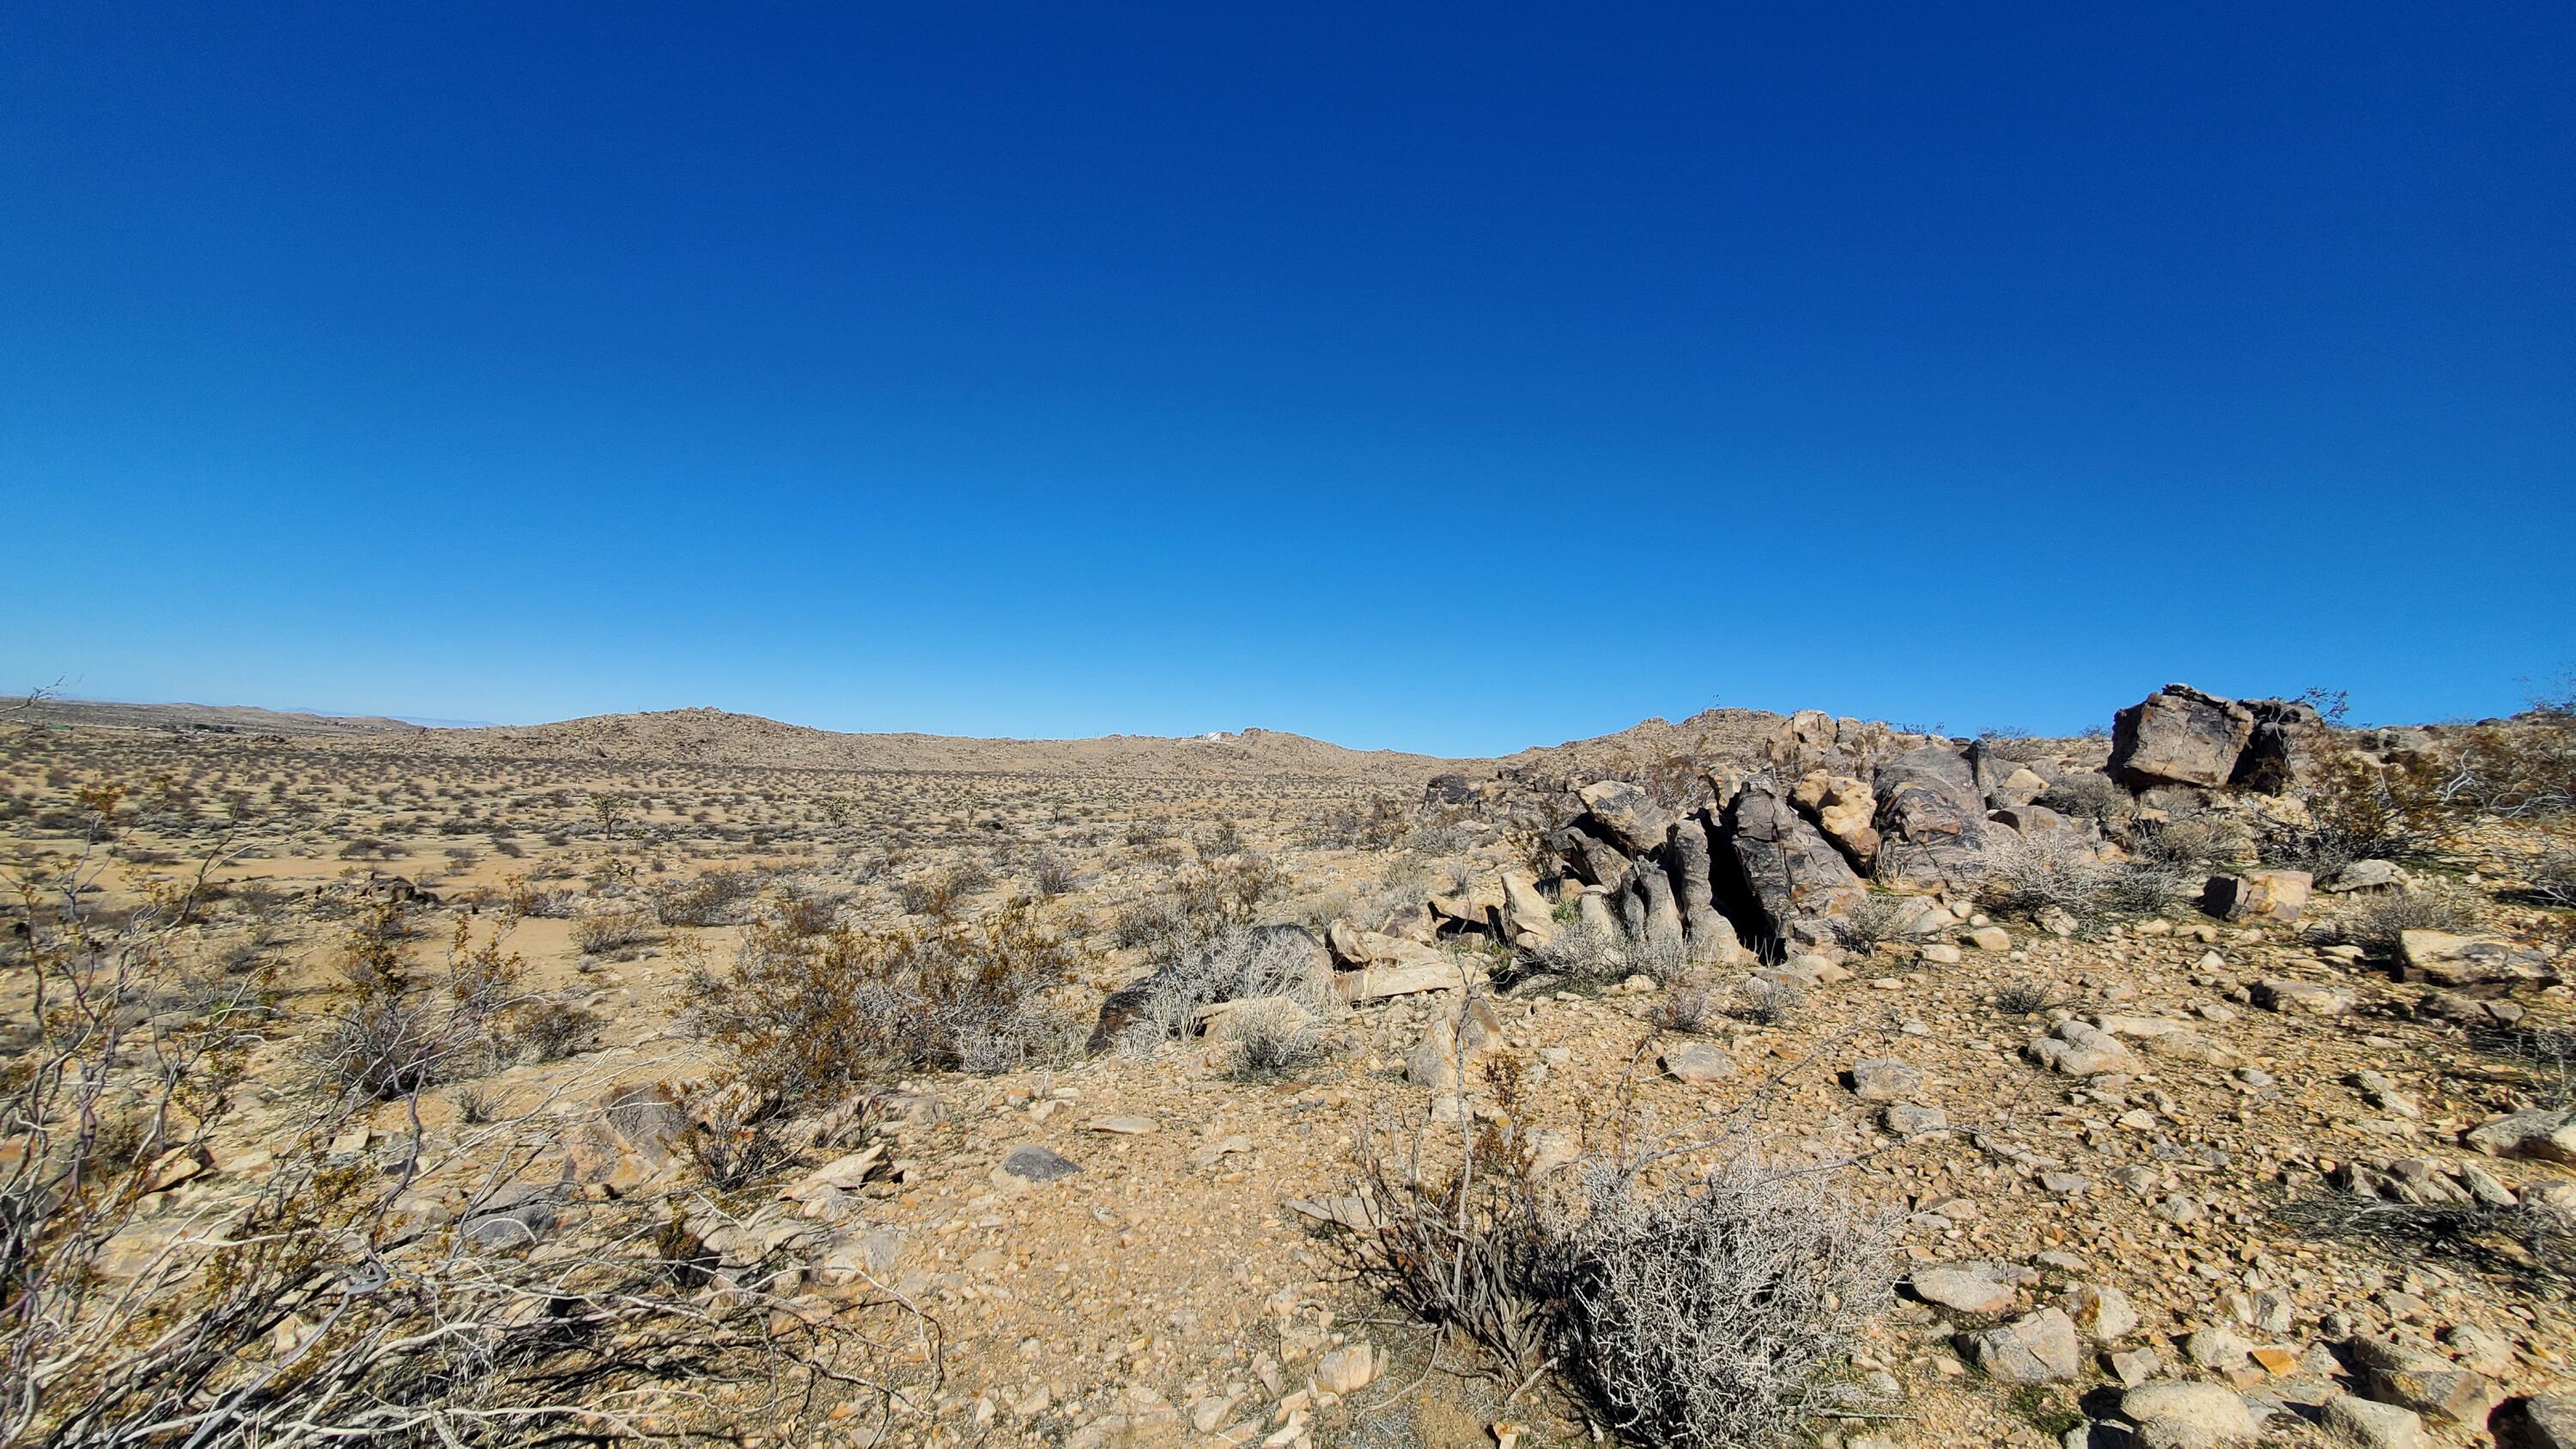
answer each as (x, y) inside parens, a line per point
(1451, 378)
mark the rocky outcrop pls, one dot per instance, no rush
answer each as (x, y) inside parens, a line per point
(1789, 871)
(1594, 860)
(1843, 807)
(2185, 736)
(2179, 736)
(1931, 819)
(1626, 816)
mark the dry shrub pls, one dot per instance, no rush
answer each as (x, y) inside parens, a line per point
(735, 1138)
(387, 1033)
(2090, 795)
(299, 1309)
(1688, 1006)
(1876, 917)
(2193, 846)
(2361, 809)
(2376, 923)
(2521, 767)
(2552, 872)
(1200, 906)
(1270, 1036)
(806, 1017)
(717, 898)
(1768, 1001)
(1716, 1314)
(2027, 998)
(1052, 875)
(550, 1031)
(1716, 1311)
(1277, 968)
(1582, 957)
(2026, 874)
(599, 935)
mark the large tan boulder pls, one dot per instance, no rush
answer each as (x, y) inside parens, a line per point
(1842, 807)
(2261, 895)
(1626, 816)
(2179, 736)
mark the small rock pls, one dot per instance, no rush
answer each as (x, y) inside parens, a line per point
(2038, 1348)
(2101, 1313)
(2373, 1425)
(1032, 1163)
(1348, 1369)
(2210, 1409)
(1965, 1289)
(1884, 1079)
(1698, 1062)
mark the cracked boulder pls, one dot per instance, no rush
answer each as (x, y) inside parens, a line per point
(2179, 736)
(1789, 869)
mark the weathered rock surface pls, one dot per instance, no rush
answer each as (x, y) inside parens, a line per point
(2179, 736)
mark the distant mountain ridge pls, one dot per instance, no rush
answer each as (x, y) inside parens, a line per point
(245, 719)
(721, 737)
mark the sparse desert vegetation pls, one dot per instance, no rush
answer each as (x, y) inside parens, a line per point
(1749, 1080)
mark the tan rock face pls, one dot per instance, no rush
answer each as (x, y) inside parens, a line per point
(2180, 736)
(1842, 808)
(2265, 895)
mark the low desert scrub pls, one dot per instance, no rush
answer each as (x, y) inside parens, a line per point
(1270, 1036)
(615, 931)
(2551, 874)
(2361, 809)
(549, 1031)
(1874, 918)
(1581, 957)
(805, 1018)
(1052, 875)
(1276, 973)
(297, 1310)
(1709, 1308)
(388, 1033)
(2089, 795)
(2028, 998)
(2520, 768)
(1767, 1001)
(1713, 1314)
(717, 898)
(2377, 922)
(2027, 874)
(1200, 905)
(1689, 1007)
(2192, 846)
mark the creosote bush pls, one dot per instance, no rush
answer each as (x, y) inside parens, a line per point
(804, 1018)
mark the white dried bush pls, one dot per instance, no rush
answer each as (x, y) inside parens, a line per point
(1268, 1036)
(2377, 922)
(1719, 1315)
(1583, 956)
(1874, 918)
(2026, 874)
(1241, 965)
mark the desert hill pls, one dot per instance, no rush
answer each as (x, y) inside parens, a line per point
(239, 719)
(720, 737)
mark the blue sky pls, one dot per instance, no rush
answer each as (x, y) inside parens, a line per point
(1454, 379)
